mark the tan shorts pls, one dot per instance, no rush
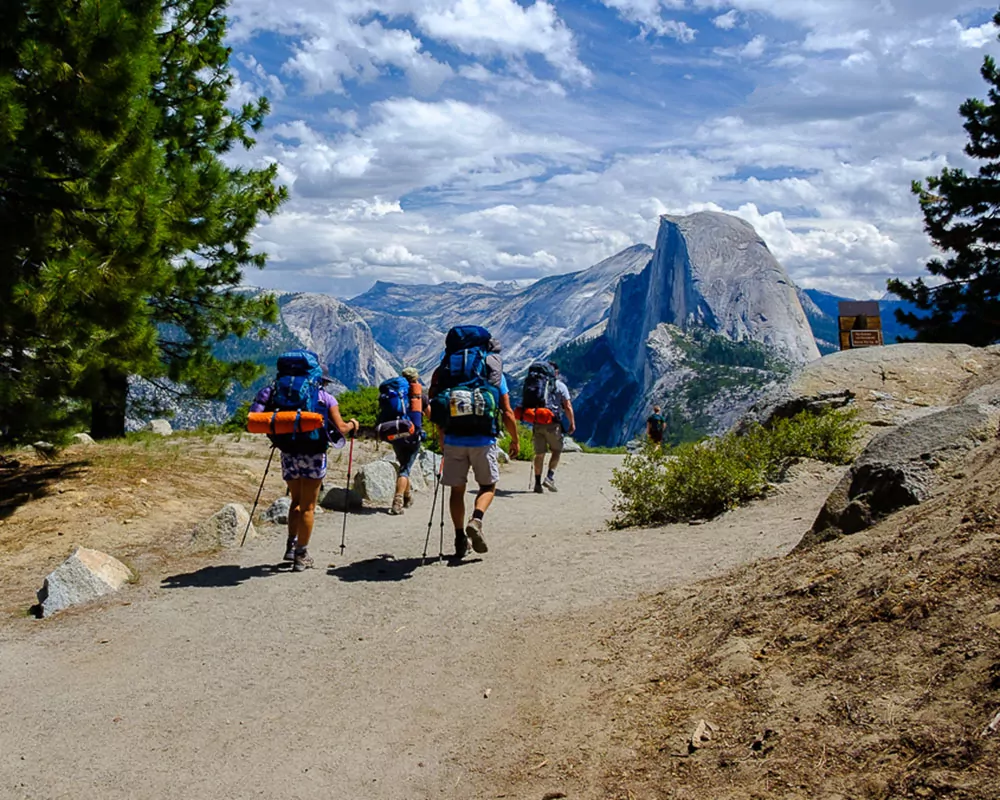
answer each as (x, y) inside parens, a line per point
(550, 435)
(458, 460)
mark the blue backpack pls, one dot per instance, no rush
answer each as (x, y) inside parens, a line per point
(465, 398)
(393, 399)
(296, 388)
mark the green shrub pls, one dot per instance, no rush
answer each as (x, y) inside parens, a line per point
(586, 448)
(527, 451)
(360, 404)
(702, 480)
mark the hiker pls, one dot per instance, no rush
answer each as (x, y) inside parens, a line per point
(299, 386)
(401, 413)
(468, 397)
(655, 425)
(545, 399)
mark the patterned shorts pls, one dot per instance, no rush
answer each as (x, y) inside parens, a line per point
(296, 465)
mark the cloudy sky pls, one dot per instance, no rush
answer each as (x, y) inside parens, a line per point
(432, 140)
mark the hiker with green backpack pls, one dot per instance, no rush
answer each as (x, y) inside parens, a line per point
(400, 422)
(298, 388)
(468, 398)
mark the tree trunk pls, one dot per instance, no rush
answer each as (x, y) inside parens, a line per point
(107, 408)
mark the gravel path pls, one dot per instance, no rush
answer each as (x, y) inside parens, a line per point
(363, 678)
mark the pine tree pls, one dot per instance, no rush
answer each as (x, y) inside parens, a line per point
(210, 213)
(960, 216)
(123, 232)
(79, 189)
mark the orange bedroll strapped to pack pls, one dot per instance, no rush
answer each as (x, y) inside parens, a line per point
(416, 398)
(535, 416)
(284, 421)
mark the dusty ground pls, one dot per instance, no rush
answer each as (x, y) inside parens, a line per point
(567, 661)
(522, 673)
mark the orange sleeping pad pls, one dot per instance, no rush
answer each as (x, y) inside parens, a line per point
(535, 416)
(283, 421)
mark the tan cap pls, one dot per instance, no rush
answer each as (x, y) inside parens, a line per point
(411, 374)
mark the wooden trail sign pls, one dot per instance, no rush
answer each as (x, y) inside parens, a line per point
(860, 324)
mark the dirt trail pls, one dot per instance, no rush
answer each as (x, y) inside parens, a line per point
(363, 678)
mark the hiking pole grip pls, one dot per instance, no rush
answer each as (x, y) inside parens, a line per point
(257, 499)
(347, 494)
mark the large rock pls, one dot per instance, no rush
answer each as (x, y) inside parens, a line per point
(224, 528)
(334, 499)
(84, 439)
(158, 426)
(895, 383)
(84, 576)
(376, 482)
(710, 270)
(898, 469)
(428, 463)
(277, 512)
(569, 446)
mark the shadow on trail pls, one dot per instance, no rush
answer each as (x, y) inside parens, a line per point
(221, 575)
(387, 568)
(20, 483)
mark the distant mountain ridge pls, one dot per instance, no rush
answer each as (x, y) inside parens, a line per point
(410, 321)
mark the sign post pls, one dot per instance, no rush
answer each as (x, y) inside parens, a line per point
(860, 324)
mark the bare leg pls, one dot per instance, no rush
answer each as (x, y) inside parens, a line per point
(539, 463)
(302, 514)
(554, 461)
(402, 484)
(484, 497)
(456, 505)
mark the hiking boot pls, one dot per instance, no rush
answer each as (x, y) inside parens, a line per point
(538, 488)
(407, 500)
(550, 483)
(474, 530)
(303, 561)
(461, 545)
(289, 549)
(397, 505)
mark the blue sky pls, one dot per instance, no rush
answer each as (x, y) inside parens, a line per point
(432, 140)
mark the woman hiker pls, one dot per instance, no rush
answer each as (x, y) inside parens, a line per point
(304, 473)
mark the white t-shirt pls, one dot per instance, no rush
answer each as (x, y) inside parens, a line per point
(560, 396)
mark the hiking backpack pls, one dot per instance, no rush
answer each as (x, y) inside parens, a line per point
(657, 424)
(296, 388)
(393, 405)
(465, 389)
(539, 401)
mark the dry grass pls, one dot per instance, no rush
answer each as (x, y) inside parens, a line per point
(136, 499)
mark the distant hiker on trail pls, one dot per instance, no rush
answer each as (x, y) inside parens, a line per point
(543, 402)
(401, 409)
(655, 425)
(299, 388)
(468, 396)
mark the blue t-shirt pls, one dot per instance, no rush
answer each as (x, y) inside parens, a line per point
(476, 441)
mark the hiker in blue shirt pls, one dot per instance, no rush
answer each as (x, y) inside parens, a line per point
(469, 435)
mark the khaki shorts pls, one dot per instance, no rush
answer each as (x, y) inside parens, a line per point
(458, 460)
(551, 435)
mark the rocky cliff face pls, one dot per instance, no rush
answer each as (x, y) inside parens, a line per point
(339, 336)
(713, 271)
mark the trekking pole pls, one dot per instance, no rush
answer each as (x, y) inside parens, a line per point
(257, 500)
(441, 542)
(430, 522)
(347, 494)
